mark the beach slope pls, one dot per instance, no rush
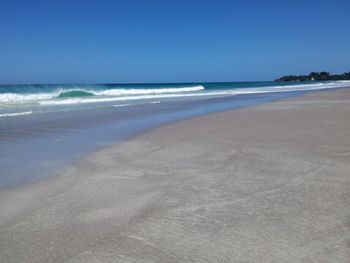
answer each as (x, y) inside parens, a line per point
(268, 183)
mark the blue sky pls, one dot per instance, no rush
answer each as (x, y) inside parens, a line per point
(170, 41)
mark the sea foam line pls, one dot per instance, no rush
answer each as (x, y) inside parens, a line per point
(15, 114)
(121, 105)
(122, 92)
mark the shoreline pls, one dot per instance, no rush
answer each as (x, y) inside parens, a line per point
(57, 134)
(261, 183)
(237, 102)
(83, 134)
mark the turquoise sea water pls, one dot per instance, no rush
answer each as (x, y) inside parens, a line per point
(43, 128)
(18, 100)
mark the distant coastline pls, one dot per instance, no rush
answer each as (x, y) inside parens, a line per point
(315, 76)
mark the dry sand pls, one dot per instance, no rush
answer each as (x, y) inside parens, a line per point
(269, 183)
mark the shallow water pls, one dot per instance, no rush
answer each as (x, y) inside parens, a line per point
(46, 138)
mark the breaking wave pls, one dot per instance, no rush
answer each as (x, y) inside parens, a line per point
(10, 97)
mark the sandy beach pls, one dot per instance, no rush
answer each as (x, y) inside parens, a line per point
(268, 183)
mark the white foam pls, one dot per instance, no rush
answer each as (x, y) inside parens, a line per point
(121, 105)
(111, 99)
(123, 92)
(15, 114)
(14, 97)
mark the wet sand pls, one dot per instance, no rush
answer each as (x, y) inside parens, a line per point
(268, 183)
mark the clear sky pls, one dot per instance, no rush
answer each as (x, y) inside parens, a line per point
(61, 41)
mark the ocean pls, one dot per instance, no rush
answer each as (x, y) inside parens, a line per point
(18, 100)
(44, 128)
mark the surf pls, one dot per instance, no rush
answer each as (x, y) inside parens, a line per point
(98, 91)
(47, 95)
(131, 95)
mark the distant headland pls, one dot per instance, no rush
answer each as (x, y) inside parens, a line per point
(315, 76)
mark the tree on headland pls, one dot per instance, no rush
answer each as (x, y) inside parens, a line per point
(315, 76)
